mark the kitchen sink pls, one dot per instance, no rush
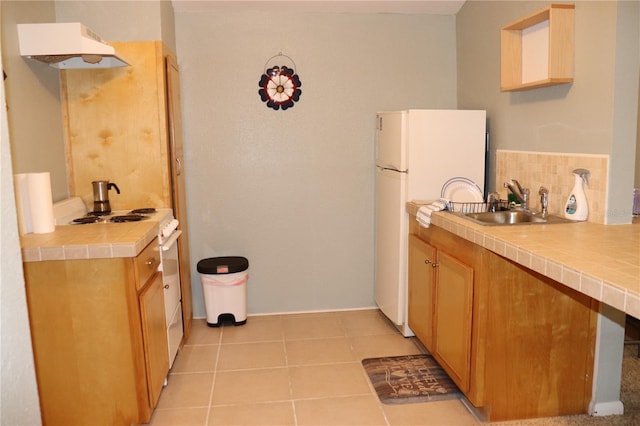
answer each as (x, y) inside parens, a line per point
(513, 217)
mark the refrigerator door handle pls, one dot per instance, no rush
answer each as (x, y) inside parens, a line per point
(393, 169)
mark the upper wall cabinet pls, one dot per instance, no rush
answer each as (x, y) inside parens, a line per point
(537, 50)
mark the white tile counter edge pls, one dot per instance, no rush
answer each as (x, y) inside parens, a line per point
(98, 250)
(89, 251)
(601, 290)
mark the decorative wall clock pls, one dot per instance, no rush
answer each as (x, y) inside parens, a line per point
(279, 85)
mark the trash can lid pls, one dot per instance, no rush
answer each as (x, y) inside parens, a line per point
(223, 265)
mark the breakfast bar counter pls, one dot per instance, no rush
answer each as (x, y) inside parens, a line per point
(601, 261)
(542, 267)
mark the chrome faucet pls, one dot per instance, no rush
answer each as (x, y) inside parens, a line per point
(521, 194)
(544, 200)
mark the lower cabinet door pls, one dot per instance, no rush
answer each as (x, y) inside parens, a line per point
(154, 332)
(453, 315)
(421, 277)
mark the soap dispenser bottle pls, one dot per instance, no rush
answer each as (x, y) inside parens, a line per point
(577, 207)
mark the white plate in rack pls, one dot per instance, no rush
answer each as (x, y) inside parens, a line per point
(461, 190)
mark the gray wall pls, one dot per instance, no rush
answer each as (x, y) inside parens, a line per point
(597, 114)
(33, 100)
(293, 190)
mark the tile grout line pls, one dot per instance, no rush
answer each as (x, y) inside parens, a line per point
(215, 373)
(286, 361)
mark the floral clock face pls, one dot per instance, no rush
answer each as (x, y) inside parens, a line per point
(280, 87)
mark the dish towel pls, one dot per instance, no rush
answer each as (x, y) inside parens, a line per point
(424, 213)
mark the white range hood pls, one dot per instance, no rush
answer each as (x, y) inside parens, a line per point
(67, 46)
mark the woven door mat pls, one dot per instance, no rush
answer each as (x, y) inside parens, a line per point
(409, 379)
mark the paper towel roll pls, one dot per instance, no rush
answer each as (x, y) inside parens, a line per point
(34, 203)
(41, 203)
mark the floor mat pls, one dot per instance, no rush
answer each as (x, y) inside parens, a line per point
(409, 379)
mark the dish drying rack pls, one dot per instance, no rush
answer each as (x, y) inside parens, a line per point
(476, 207)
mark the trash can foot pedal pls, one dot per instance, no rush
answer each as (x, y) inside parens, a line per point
(226, 319)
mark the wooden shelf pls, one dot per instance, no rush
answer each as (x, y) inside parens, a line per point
(537, 50)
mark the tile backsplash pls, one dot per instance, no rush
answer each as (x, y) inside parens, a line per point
(554, 171)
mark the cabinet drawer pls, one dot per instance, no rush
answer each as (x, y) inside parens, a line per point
(147, 263)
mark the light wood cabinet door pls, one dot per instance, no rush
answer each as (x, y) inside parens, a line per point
(87, 342)
(421, 280)
(176, 152)
(453, 315)
(154, 333)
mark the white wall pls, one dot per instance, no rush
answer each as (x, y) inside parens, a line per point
(293, 190)
(19, 404)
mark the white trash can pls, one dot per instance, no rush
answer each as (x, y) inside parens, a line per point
(224, 285)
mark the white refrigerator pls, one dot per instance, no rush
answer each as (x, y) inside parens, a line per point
(417, 151)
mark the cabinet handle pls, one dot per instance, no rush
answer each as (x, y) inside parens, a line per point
(166, 286)
(178, 167)
(435, 265)
(151, 261)
(427, 261)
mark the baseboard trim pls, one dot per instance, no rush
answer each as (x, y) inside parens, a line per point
(611, 408)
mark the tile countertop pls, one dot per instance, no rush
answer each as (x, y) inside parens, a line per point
(93, 241)
(601, 261)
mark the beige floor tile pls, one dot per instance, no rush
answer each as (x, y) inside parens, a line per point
(312, 327)
(269, 413)
(253, 331)
(367, 323)
(202, 334)
(193, 359)
(351, 410)
(254, 318)
(306, 315)
(319, 351)
(437, 413)
(383, 345)
(251, 355)
(241, 386)
(180, 417)
(187, 390)
(329, 380)
(359, 313)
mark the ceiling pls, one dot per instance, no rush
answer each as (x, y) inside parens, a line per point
(436, 7)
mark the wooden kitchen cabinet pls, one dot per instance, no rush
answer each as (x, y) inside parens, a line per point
(178, 190)
(537, 50)
(125, 125)
(154, 334)
(440, 305)
(452, 317)
(422, 257)
(518, 344)
(99, 339)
